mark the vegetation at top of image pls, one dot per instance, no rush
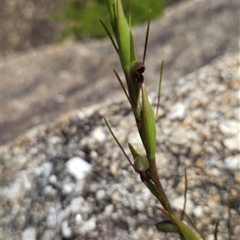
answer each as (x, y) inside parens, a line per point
(80, 18)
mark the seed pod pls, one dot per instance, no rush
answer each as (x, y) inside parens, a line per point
(140, 164)
(166, 226)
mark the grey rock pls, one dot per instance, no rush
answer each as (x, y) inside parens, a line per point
(45, 169)
(52, 217)
(17, 188)
(100, 194)
(53, 179)
(98, 134)
(233, 143)
(177, 111)
(76, 204)
(66, 230)
(29, 234)
(108, 210)
(49, 191)
(230, 127)
(198, 211)
(68, 188)
(48, 235)
(78, 167)
(112, 190)
(179, 202)
(89, 225)
(233, 162)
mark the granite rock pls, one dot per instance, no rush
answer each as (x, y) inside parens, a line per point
(110, 201)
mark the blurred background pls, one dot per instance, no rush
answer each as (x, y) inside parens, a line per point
(56, 57)
(33, 23)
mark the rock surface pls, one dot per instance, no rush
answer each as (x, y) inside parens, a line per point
(42, 200)
(44, 83)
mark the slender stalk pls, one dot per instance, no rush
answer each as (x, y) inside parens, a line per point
(154, 176)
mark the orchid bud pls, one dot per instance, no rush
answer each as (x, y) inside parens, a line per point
(140, 164)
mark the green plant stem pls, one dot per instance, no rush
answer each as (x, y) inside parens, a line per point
(154, 177)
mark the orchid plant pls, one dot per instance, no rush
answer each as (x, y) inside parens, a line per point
(137, 96)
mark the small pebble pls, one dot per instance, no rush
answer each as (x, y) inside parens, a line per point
(78, 167)
(177, 111)
(29, 234)
(100, 194)
(44, 170)
(76, 204)
(233, 143)
(89, 226)
(108, 210)
(68, 188)
(198, 211)
(66, 230)
(178, 204)
(98, 134)
(233, 162)
(229, 127)
(52, 217)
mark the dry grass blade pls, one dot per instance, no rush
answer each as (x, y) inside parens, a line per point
(109, 34)
(146, 38)
(159, 87)
(121, 84)
(125, 92)
(216, 230)
(118, 143)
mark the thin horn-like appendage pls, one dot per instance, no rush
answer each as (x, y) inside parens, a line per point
(159, 88)
(116, 140)
(121, 84)
(216, 230)
(125, 92)
(110, 36)
(146, 38)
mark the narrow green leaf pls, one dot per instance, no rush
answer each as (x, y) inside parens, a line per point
(166, 226)
(184, 229)
(123, 37)
(189, 219)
